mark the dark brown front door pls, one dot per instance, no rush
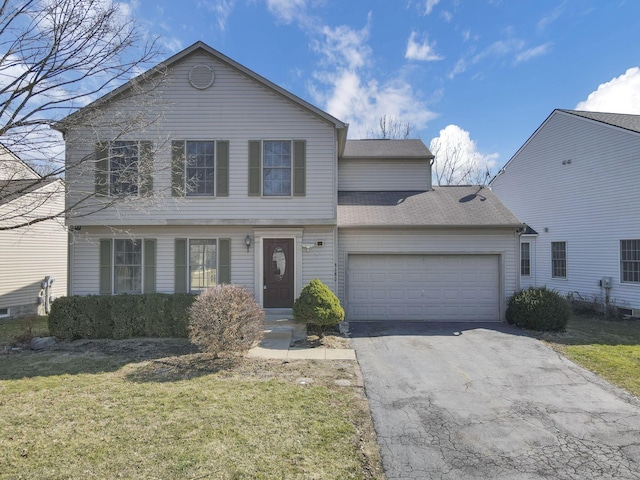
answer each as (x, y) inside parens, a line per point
(278, 273)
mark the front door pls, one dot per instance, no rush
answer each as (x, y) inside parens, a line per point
(278, 273)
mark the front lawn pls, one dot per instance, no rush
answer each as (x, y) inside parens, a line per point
(609, 348)
(152, 408)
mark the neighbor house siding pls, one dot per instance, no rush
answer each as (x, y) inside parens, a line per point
(590, 203)
(383, 175)
(236, 109)
(29, 254)
(432, 241)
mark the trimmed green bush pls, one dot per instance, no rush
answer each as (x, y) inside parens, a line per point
(120, 316)
(225, 318)
(318, 305)
(538, 309)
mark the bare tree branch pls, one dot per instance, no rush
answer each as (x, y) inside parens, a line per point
(58, 56)
(390, 127)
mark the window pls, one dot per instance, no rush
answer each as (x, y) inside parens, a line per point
(4, 312)
(525, 259)
(276, 168)
(559, 259)
(123, 169)
(630, 261)
(127, 266)
(200, 167)
(202, 264)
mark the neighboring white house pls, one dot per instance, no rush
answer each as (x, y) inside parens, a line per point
(33, 259)
(241, 181)
(575, 183)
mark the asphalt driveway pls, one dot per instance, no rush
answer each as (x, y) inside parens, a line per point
(483, 401)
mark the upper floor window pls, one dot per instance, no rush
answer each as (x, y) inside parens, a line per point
(123, 168)
(200, 168)
(525, 259)
(276, 168)
(630, 261)
(559, 259)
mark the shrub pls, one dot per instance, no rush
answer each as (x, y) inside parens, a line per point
(120, 316)
(538, 309)
(318, 305)
(225, 318)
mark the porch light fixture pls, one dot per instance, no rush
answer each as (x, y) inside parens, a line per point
(247, 242)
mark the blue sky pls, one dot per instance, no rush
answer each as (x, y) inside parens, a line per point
(484, 72)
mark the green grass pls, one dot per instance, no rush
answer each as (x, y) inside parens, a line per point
(87, 413)
(14, 331)
(609, 348)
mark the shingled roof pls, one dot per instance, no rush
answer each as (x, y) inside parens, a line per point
(447, 206)
(622, 120)
(12, 189)
(387, 148)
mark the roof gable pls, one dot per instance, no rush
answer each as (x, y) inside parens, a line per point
(202, 47)
(625, 122)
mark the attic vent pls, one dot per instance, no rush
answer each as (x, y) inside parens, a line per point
(201, 76)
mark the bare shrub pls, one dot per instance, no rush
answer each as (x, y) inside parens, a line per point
(225, 318)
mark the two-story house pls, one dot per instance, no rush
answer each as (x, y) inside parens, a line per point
(238, 180)
(33, 257)
(575, 183)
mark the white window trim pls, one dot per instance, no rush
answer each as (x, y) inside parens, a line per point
(137, 142)
(113, 265)
(215, 170)
(625, 282)
(566, 260)
(262, 142)
(189, 240)
(7, 312)
(525, 274)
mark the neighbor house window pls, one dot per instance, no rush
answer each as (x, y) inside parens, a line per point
(559, 259)
(127, 266)
(200, 168)
(203, 256)
(4, 312)
(276, 168)
(123, 169)
(525, 259)
(630, 261)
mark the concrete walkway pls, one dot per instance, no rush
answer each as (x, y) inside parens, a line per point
(277, 344)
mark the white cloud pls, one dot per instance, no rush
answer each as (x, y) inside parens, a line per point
(458, 160)
(221, 9)
(428, 7)
(530, 53)
(348, 90)
(288, 11)
(420, 50)
(619, 95)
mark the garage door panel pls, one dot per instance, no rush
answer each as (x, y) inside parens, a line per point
(423, 287)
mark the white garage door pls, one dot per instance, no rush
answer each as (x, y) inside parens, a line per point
(423, 287)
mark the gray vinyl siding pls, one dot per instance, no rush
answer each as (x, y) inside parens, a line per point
(383, 175)
(317, 263)
(591, 203)
(504, 243)
(28, 255)
(237, 109)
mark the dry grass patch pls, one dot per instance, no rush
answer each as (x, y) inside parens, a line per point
(610, 348)
(154, 409)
